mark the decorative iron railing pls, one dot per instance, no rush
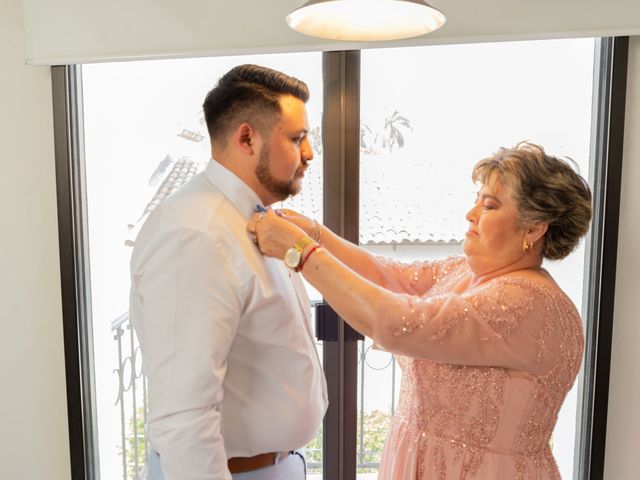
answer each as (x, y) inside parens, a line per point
(369, 451)
(132, 402)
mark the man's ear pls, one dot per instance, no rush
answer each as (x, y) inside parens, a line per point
(245, 138)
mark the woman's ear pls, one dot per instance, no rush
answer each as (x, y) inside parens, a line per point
(536, 232)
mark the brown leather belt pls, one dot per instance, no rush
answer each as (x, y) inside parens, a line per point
(249, 464)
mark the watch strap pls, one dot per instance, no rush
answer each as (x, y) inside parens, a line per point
(302, 243)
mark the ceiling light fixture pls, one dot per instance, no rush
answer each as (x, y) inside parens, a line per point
(365, 20)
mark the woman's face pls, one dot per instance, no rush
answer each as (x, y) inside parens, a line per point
(494, 240)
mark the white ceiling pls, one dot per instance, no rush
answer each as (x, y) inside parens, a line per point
(78, 31)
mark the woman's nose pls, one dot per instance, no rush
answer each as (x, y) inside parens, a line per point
(471, 215)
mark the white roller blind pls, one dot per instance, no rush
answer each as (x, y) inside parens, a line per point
(81, 31)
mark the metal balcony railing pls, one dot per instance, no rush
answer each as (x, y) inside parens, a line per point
(131, 399)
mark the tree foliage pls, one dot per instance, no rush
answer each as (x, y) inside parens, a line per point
(375, 428)
(389, 136)
(136, 450)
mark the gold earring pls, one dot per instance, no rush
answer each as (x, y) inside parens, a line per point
(526, 246)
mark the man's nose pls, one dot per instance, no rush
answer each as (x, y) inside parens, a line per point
(306, 152)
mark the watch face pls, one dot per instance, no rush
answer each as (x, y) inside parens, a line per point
(292, 257)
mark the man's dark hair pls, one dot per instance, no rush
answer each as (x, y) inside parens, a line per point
(248, 93)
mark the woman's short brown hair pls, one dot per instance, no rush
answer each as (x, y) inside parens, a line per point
(545, 189)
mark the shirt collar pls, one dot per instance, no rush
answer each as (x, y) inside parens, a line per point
(241, 196)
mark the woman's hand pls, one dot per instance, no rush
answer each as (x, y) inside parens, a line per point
(311, 227)
(274, 234)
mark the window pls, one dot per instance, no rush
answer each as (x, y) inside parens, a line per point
(128, 134)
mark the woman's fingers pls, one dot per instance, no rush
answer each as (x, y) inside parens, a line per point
(273, 235)
(266, 228)
(287, 212)
(305, 223)
(252, 226)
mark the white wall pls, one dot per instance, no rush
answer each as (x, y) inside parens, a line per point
(33, 415)
(78, 31)
(623, 427)
(33, 428)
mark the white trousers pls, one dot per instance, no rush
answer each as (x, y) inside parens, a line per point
(292, 467)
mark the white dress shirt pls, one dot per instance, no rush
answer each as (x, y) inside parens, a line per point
(225, 334)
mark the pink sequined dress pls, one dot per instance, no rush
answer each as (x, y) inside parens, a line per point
(484, 374)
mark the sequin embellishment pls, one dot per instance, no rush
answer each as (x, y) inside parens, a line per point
(484, 376)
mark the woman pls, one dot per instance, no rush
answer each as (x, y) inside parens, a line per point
(488, 343)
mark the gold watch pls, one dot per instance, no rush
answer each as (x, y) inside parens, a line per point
(293, 256)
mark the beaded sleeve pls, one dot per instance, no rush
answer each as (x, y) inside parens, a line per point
(417, 277)
(506, 322)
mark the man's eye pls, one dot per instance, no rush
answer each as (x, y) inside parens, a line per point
(298, 140)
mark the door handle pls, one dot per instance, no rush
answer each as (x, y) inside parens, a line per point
(327, 321)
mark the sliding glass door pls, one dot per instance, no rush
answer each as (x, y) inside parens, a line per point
(145, 136)
(394, 133)
(451, 106)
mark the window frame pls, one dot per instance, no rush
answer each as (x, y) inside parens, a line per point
(74, 270)
(610, 87)
(341, 77)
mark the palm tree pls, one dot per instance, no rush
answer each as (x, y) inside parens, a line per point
(389, 136)
(392, 130)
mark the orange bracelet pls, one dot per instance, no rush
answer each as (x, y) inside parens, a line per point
(305, 258)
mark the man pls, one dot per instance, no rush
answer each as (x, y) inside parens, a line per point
(235, 383)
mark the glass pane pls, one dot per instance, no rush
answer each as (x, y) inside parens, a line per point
(145, 136)
(427, 115)
(310, 203)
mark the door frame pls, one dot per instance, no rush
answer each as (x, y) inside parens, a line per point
(341, 128)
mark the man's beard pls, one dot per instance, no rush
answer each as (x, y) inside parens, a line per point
(281, 190)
